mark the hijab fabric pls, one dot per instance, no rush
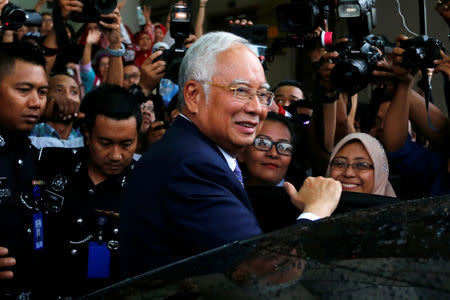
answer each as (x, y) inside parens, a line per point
(382, 186)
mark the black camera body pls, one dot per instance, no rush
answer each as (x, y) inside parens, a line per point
(361, 16)
(356, 62)
(13, 17)
(300, 19)
(180, 20)
(303, 16)
(138, 94)
(255, 34)
(420, 52)
(92, 9)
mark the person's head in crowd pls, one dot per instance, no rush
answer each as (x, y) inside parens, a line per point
(131, 74)
(379, 105)
(101, 65)
(359, 162)
(148, 115)
(62, 88)
(111, 125)
(91, 26)
(23, 86)
(47, 24)
(160, 32)
(62, 85)
(268, 158)
(442, 7)
(289, 91)
(226, 101)
(144, 41)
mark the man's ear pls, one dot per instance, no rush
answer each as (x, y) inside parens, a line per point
(192, 92)
(86, 134)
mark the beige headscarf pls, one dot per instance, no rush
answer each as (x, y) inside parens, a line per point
(382, 186)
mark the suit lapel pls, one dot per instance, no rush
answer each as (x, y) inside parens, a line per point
(181, 127)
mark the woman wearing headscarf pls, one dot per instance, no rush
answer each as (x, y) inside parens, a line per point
(359, 162)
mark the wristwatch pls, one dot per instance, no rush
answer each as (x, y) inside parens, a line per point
(116, 52)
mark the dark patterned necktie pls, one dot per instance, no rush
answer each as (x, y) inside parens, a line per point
(238, 173)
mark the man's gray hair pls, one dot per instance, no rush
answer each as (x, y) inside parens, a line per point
(199, 63)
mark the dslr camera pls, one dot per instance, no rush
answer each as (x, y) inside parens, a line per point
(300, 19)
(13, 17)
(92, 9)
(256, 35)
(420, 52)
(180, 20)
(361, 16)
(355, 63)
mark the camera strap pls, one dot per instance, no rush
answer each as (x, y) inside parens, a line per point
(427, 93)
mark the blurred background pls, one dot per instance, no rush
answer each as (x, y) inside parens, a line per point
(288, 64)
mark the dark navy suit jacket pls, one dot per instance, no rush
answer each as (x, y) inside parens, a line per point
(181, 200)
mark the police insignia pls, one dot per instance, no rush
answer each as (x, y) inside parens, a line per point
(2, 141)
(59, 183)
(4, 190)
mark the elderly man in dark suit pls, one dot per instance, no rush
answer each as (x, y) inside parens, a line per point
(186, 195)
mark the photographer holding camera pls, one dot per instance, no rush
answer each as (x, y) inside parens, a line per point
(426, 166)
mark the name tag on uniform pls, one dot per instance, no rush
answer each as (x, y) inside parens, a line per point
(98, 260)
(38, 231)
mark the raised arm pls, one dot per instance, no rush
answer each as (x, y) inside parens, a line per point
(57, 37)
(200, 18)
(397, 116)
(38, 6)
(114, 74)
(419, 116)
(92, 38)
(149, 26)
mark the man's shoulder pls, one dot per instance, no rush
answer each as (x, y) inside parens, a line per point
(183, 141)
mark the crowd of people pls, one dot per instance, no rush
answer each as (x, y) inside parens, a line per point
(109, 169)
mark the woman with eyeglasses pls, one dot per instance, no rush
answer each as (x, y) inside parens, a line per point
(267, 159)
(265, 164)
(359, 162)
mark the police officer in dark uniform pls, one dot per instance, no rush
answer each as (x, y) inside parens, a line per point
(91, 192)
(23, 215)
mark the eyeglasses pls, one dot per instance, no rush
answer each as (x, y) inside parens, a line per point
(245, 94)
(357, 166)
(280, 99)
(131, 76)
(147, 108)
(265, 144)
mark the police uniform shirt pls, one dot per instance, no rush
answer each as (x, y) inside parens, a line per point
(91, 213)
(19, 204)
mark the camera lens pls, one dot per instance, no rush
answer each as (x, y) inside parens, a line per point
(13, 17)
(351, 75)
(105, 6)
